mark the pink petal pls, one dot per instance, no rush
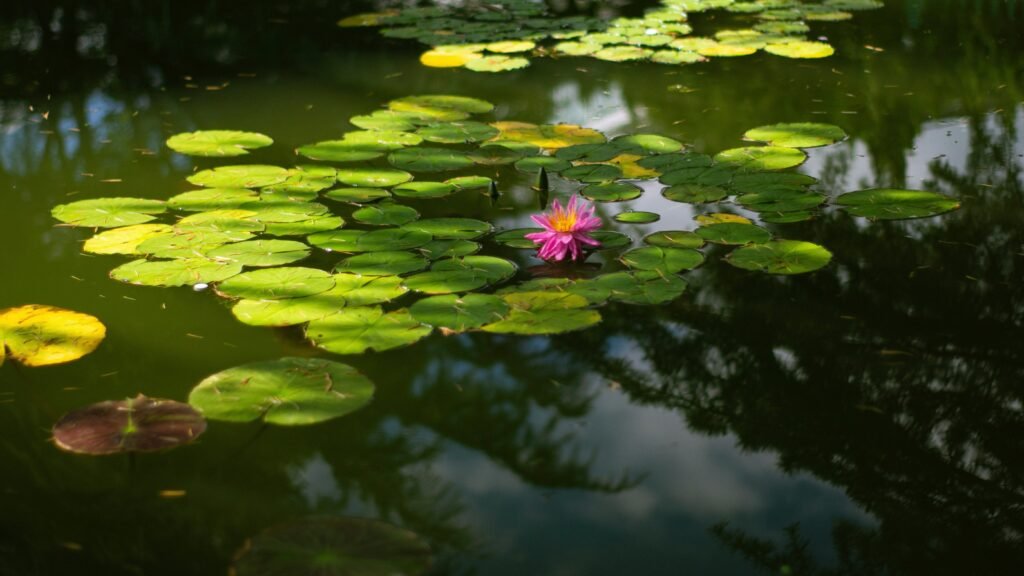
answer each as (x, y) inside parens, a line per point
(543, 221)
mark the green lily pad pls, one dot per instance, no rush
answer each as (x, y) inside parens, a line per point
(648, 143)
(593, 173)
(286, 392)
(610, 240)
(267, 211)
(386, 120)
(287, 311)
(449, 248)
(240, 176)
(424, 190)
(383, 139)
(492, 268)
(373, 177)
(797, 135)
(734, 233)
(778, 201)
(780, 257)
(637, 217)
(612, 192)
(451, 228)
(125, 240)
(694, 193)
(138, 424)
(642, 287)
(357, 195)
(756, 182)
(260, 252)
(786, 217)
(303, 183)
(304, 227)
(342, 151)
(193, 244)
(532, 164)
(622, 53)
(666, 260)
(458, 132)
(212, 199)
(516, 238)
(469, 182)
(108, 212)
(40, 335)
(492, 154)
(674, 239)
(441, 102)
(894, 204)
(217, 142)
(358, 329)
(426, 159)
(757, 158)
(388, 263)
(385, 214)
(231, 222)
(497, 63)
(276, 283)
(446, 281)
(334, 546)
(544, 313)
(167, 273)
(459, 313)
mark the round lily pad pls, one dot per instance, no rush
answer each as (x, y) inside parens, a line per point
(637, 217)
(451, 228)
(303, 183)
(550, 136)
(342, 151)
(492, 268)
(387, 263)
(40, 335)
(288, 311)
(801, 49)
(383, 139)
(286, 391)
(217, 142)
(674, 239)
(511, 46)
(424, 190)
(240, 176)
(304, 227)
(457, 132)
(442, 59)
(373, 177)
(641, 287)
(734, 233)
(516, 238)
(355, 330)
(469, 182)
(260, 252)
(756, 158)
(357, 195)
(622, 53)
(385, 120)
(385, 214)
(334, 546)
(610, 239)
(182, 272)
(894, 204)
(138, 424)
(446, 281)
(592, 173)
(544, 313)
(108, 212)
(648, 143)
(780, 257)
(459, 313)
(756, 182)
(780, 200)
(694, 193)
(667, 260)
(187, 244)
(497, 63)
(426, 159)
(532, 164)
(231, 222)
(797, 135)
(124, 240)
(491, 154)
(437, 249)
(276, 283)
(441, 102)
(612, 192)
(206, 199)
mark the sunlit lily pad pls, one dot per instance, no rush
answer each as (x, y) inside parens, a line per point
(637, 217)
(385, 214)
(544, 313)
(492, 268)
(674, 239)
(610, 239)
(797, 135)
(446, 281)
(548, 135)
(457, 132)
(894, 204)
(334, 546)
(780, 257)
(276, 283)
(641, 287)
(217, 142)
(138, 424)
(424, 190)
(260, 252)
(212, 199)
(357, 195)
(648, 143)
(387, 263)
(441, 59)
(426, 159)
(734, 233)
(449, 248)
(286, 391)
(304, 227)
(238, 222)
(622, 53)
(341, 151)
(667, 260)
(355, 330)
(469, 182)
(373, 177)
(801, 49)
(383, 139)
(240, 176)
(125, 240)
(451, 228)
(612, 192)
(40, 335)
(720, 217)
(756, 158)
(193, 244)
(386, 120)
(497, 63)
(459, 313)
(108, 212)
(511, 46)
(441, 102)
(303, 183)
(592, 173)
(168, 273)
(694, 193)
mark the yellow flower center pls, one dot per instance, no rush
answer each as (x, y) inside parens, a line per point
(563, 222)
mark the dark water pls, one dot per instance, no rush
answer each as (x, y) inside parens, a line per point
(864, 419)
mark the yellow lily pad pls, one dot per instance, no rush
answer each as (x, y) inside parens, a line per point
(439, 59)
(548, 135)
(41, 335)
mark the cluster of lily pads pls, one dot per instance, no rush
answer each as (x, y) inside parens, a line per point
(501, 35)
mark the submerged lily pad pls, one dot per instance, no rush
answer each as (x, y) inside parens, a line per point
(138, 424)
(40, 335)
(217, 142)
(334, 546)
(169, 273)
(544, 313)
(286, 391)
(276, 283)
(355, 330)
(459, 313)
(780, 257)
(894, 204)
(108, 212)
(797, 135)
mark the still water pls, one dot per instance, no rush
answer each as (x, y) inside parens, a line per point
(863, 419)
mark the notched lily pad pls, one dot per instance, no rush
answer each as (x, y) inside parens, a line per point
(533, 313)
(781, 257)
(108, 212)
(666, 260)
(240, 176)
(169, 273)
(355, 330)
(894, 204)
(277, 283)
(797, 135)
(459, 313)
(734, 233)
(138, 424)
(41, 335)
(219, 143)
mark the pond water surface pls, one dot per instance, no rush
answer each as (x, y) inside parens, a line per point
(866, 418)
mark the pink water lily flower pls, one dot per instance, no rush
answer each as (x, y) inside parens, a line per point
(566, 231)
